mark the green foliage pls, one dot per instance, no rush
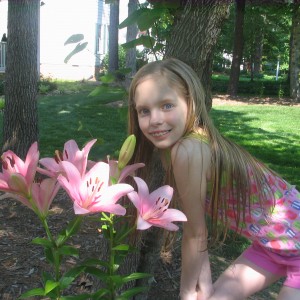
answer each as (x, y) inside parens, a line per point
(2, 103)
(46, 85)
(266, 26)
(2, 85)
(155, 22)
(262, 86)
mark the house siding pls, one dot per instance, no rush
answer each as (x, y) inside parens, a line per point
(59, 19)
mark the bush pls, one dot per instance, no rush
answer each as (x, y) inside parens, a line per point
(46, 85)
(257, 87)
(2, 103)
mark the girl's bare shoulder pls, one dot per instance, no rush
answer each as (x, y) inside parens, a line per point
(192, 152)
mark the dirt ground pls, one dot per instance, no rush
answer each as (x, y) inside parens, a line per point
(22, 263)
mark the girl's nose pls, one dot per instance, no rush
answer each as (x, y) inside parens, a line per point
(156, 118)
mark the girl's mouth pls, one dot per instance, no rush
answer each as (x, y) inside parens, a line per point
(160, 133)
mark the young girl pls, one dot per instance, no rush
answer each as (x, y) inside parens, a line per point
(216, 178)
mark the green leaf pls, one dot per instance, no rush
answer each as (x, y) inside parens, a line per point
(122, 247)
(144, 40)
(75, 38)
(47, 276)
(68, 250)
(124, 71)
(147, 41)
(49, 255)
(147, 20)
(135, 276)
(117, 280)
(50, 285)
(97, 272)
(70, 276)
(96, 262)
(32, 293)
(70, 230)
(78, 297)
(132, 292)
(108, 78)
(43, 242)
(79, 47)
(134, 17)
(100, 294)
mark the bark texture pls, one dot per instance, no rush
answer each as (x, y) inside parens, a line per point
(20, 120)
(132, 31)
(113, 61)
(195, 34)
(295, 55)
(237, 48)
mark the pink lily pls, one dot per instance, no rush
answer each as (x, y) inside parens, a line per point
(119, 176)
(153, 208)
(17, 175)
(91, 192)
(42, 195)
(70, 153)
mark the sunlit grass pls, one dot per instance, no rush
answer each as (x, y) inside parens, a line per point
(82, 118)
(270, 133)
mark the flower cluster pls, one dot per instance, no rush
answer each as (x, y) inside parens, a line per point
(94, 188)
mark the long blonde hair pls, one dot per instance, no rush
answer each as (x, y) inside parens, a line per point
(230, 163)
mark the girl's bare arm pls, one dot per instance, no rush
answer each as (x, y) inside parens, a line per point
(191, 166)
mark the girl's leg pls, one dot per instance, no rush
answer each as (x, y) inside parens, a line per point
(242, 279)
(289, 293)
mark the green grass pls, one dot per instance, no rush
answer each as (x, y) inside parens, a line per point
(82, 118)
(270, 133)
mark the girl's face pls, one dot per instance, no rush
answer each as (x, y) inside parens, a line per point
(162, 112)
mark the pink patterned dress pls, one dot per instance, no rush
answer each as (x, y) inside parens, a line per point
(276, 227)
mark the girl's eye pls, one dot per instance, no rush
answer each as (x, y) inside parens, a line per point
(168, 106)
(143, 111)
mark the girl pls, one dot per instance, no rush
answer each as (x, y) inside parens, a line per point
(216, 178)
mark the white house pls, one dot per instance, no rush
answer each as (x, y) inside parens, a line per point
(60, 19)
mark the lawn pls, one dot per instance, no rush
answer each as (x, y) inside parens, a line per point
(271, 133)
(80, 117)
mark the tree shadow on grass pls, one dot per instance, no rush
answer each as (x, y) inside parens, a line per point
(277, 149)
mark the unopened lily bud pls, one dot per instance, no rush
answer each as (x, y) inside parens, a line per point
(126, 151)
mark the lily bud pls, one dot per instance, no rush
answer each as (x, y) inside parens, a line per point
(126, 151)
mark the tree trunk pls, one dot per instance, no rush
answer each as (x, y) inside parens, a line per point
(258, 52)
(20, 120)
(132, 31)
(195, 34)
(295, 55)
(237, 48)
(113, 61)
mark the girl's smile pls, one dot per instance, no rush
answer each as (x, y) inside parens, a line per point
(161, 110)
